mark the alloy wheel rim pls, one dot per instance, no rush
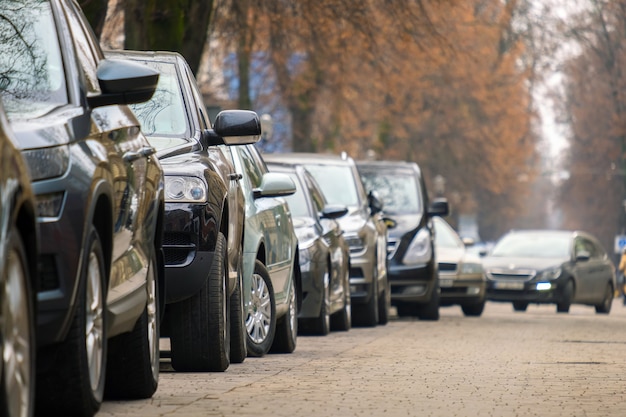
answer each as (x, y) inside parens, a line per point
(17, 339)
(153, 333)
(94, 323)
(259, 310)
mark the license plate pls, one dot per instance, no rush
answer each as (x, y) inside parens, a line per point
(508, 285)
(445, 283)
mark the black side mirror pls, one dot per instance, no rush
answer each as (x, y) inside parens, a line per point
(374, 202)
(439, 207)
(333, 211)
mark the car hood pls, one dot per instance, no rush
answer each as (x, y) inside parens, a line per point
(404, 223)
(513, 263)
(449, 255)
(192, 163)
(302, 222)
(40, 133)
(354, 220)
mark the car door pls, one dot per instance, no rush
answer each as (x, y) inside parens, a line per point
(584, 270)
(116, 132)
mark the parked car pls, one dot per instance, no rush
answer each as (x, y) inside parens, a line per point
(272, 283)
(364, 230)
(413, 273)
(18, 259)
(324, 254)
(204, 215)
(461, 277)
(550, 266)
(99, 197)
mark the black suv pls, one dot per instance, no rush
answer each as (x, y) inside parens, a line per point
(204, 215)
(99, 197)
(412, 267)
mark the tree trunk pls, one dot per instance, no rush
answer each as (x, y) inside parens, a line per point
(95, 11)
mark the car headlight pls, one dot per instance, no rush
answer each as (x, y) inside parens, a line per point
(550, 274)
(46, 163)
(419, 251)
(471, 268)
(185, 189)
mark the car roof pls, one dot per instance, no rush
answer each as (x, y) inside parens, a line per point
(162, 56)
(389, 165)
(570, 233)
(295, 158)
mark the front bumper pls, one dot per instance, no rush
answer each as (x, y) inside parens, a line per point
(189, 236)
(412, 283)
(362, 269)
(462, 291)
(530, 291)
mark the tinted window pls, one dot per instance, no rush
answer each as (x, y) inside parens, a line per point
(445, 236)
(253, 169)
(164, 114)
(337, 183)
(398, 191)
(32, 78)
(297, 202)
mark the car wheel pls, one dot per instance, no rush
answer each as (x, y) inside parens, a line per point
(430, 310)
(566, 298)
(342, 320)
(321, 324)
(77, 373)
(287, 327)
(17, 332)
(133, 359)
(473, 310)
(520, 306)
(605, 306)
(200, 333)
(384, 304)
(238, 350)
(261, 314)
(367, 314)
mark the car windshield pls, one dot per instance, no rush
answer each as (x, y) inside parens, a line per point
(398, 191)
(533, 245)
(445, 236)
(337, 183)
(297, 201)
(164, 115)
(32, 80)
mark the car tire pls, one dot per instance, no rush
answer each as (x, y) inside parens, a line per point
(605, 306)
(17, 332)
(342, 320)
(261, 313)
(367, 314)
(321, 324)
(520, 306)
(200, 333)
(384, 304)
(133, 358)
(74, 382)
(286, 336)
(566, 298)
(238, 351)
(430, 310)
(473, 310)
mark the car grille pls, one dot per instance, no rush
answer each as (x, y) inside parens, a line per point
(513, 274)
(177, 247)
(447, 267)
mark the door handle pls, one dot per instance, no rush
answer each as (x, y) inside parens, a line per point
(235, 176)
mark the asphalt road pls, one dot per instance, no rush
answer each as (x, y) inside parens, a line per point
(537, 363)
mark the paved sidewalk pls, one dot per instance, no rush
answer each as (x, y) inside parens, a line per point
(537, 363)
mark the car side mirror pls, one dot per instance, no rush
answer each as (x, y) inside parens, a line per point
(123, 82)
(233, 127)
(439, 207)
(583, 256)
(468, 242)
(275, 184)
(374, 202)
(333, 212)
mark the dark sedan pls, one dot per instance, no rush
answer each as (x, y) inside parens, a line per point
(99, 197)
(550, 266)
(204, 214)
(324, 255)
(18, 258)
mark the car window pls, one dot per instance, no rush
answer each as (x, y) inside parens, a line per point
(87, 49)
(297, 202)
(337, 183)
(253, 169)
(164, 114)
(319, 201)
(533, 245)
(399, 192)
(32, 77)
(203, 116)
(585, 245)
(445, 236)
